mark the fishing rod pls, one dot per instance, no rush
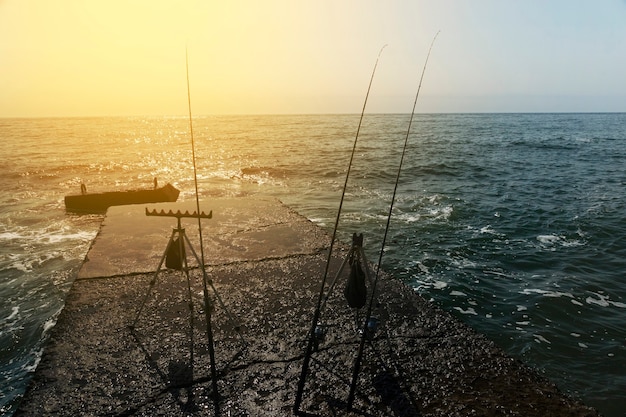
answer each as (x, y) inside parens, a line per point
(316, 315)
(205, 290)
(364, 332)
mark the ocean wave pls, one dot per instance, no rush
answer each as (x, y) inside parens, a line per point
(267, 171)
(441, 213)
(521, 215)
(467, 311)
(550, 241)
(547, 293)
(541, 339)
(603, 301)
(14, 312)
(47, 235)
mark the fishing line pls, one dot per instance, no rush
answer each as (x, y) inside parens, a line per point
(357, 365)
(207, 306)
(316, 315)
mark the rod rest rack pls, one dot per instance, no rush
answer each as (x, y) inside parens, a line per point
(178, 214)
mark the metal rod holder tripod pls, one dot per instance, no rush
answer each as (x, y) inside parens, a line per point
(180, 238)
(356, 254)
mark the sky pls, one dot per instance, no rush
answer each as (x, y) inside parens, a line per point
(128, 57)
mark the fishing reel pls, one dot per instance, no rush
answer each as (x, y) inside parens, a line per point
(371, 327)
(319, 335)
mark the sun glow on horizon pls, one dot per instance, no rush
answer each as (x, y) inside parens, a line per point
(119, 57)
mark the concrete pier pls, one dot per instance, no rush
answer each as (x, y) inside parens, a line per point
(265, 263)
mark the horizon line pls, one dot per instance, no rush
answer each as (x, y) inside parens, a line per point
(186, 116)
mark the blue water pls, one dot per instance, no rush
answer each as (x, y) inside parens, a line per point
(512, 222)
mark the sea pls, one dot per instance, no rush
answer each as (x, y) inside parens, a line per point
(514, 223)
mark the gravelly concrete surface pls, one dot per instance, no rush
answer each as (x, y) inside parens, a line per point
(265, 263)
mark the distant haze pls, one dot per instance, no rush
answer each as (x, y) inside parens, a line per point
(100, 58)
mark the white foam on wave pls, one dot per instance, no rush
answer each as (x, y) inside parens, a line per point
(429, 285)
(409, 217)
(604, 301)
(439, 285)
(540, 339)
(49, 324)
(10, 236)
(14, 312)
(423, 268)
(487, 230)
(557, 240)
(432, 199)
(441, 213)
(51, 234)
(462, 263)
(572, 243)
(32, 367)
(468, 311)
(318, 221)
(82, 236)
(28, 262)
(500, 274)
(549, 239)
(19, 263)
(545, 293)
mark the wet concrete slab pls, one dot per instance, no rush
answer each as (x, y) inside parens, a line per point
(240, 228)
(105, 357)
